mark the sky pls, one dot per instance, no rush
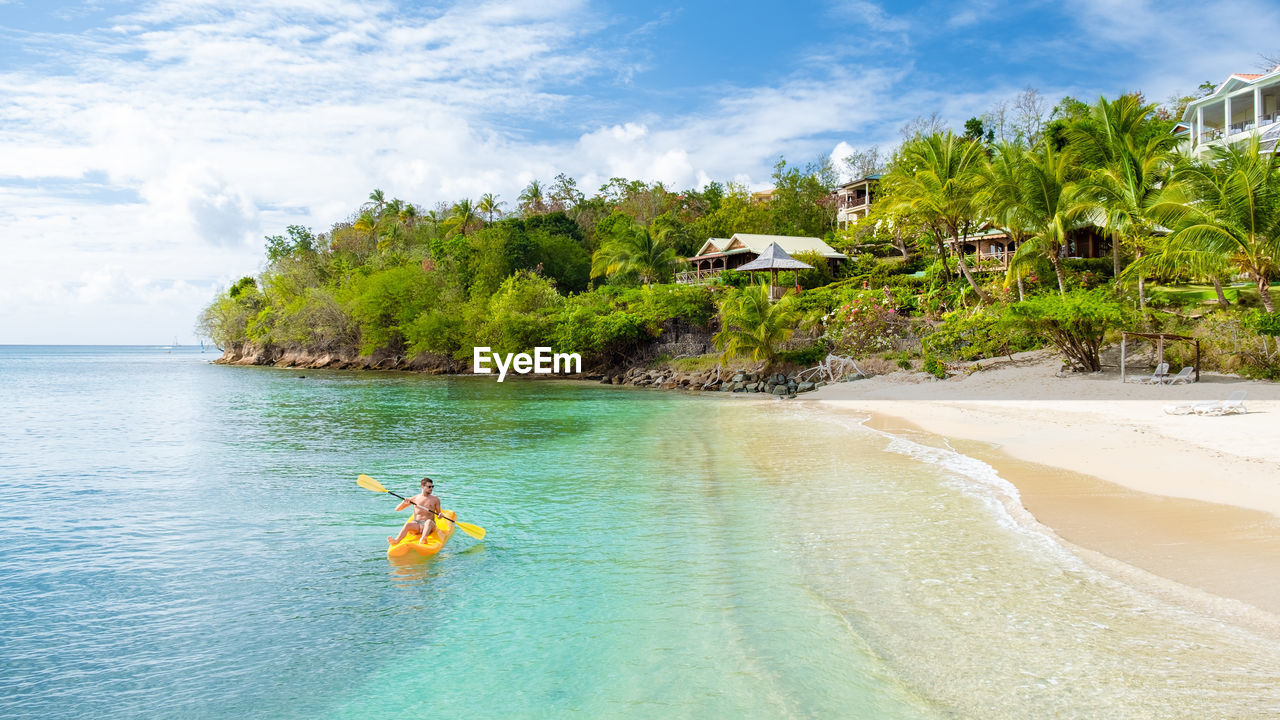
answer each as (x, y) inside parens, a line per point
(146, 148)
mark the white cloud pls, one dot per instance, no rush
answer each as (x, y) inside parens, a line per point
(143, 161)
(1181, 44)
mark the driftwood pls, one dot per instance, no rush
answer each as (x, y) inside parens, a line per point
(835, 368)
(713, 381)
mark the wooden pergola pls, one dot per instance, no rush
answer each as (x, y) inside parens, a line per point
(1159, 339)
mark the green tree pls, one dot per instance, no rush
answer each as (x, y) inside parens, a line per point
(1132, 153)
(377, 202)
(937, 177)
(633, 249)
(736, 213)
(521, 314)
(754, 326)
(1076, 323)
(297, 240)
(563, 259)
(464, 213)
(384, 302)
(1226, 214)
(802, 202)
(490, 205)
(1034, 195)
(531, 199)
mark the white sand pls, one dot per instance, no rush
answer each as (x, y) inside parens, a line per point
(1094, 425)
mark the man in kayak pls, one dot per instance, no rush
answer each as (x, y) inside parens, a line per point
(423, 521)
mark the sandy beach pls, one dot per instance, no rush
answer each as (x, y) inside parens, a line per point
(1190, 498)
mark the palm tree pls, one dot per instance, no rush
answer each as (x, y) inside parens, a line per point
(1226, 214)
(937, 177)
(1131, 165)
(1002, 199)
(377, 201)
(408, 215)
(465, 213)
(754, 326)
(1035, 192)
(531, 199)
(368, 222)
(489, 204)
(393, 207)
(635, 249)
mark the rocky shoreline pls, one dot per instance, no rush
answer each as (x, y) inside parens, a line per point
(781, 384)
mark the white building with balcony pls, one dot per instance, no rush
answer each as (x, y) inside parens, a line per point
(853, 201)
(1241, 105)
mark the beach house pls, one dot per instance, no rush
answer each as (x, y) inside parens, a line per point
(853, 200)
(719, 254)
(1242, 104)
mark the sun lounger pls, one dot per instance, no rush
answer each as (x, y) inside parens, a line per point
(1162, 371)
(1183, 376)
(1189, 408)
(1231, 406)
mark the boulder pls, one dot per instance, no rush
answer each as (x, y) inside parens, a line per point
(781, 390)
(805, 386)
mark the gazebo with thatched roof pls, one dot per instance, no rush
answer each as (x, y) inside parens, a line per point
(772, 260)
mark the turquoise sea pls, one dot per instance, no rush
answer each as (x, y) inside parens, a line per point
(185, 540)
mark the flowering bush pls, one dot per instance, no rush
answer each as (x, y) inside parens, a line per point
(867, 323)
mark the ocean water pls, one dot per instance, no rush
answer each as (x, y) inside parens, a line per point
(179, 539)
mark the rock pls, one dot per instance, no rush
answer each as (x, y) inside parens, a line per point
(781, 390)
(780, 378)
(739, 378)
(805, 386)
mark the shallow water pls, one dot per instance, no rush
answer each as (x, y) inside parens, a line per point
(179, 539)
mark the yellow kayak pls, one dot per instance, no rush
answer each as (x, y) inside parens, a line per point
(410, 549)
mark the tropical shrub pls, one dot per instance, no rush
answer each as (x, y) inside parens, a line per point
(753, 326)
(1247, 343)
(1076, 323)
(976, 334)
(863, 325)
(521, 315)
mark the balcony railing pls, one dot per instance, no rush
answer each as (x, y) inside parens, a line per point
(697, 277)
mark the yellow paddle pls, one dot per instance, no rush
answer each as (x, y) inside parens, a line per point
(369, 483)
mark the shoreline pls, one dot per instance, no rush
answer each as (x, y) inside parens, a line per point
(1117, 478)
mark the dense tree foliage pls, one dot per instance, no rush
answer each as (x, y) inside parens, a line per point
(591, 272)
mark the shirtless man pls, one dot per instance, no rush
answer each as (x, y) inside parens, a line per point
(423, 521)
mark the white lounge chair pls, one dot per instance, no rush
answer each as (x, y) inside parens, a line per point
(1232, 405)
(1189, 408)
(1183, 376)
(1162, 371)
